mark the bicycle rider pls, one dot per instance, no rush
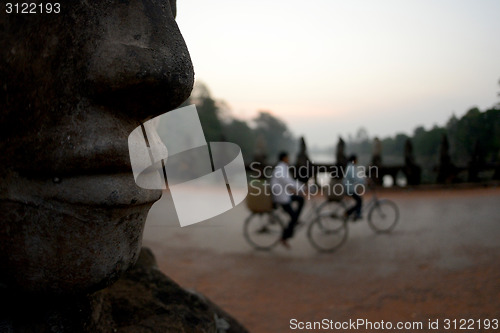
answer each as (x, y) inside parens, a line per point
(351, 183)
(285, 191)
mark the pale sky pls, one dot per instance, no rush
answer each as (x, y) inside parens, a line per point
(328, 67)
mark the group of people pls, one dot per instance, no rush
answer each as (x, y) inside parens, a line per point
(291, 197)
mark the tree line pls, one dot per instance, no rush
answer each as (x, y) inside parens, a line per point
(475, 136)
(265, 134)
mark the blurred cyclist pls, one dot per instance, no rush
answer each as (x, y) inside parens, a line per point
(351, 183)
(285, 191)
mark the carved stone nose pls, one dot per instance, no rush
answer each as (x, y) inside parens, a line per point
(140, 65)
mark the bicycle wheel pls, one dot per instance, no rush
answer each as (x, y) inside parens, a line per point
(263, 230)
(383, 216)
(332, 210)
(326, 234)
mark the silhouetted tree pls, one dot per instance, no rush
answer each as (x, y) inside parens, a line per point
(275, 133)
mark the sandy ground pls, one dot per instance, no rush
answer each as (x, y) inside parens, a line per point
(441, 262)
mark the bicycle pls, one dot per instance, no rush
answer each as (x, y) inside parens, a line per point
(263, 230)
(383, 214)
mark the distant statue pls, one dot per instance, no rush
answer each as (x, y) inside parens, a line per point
(446, 169)
(411, 169)
(377, 152)
(304, 169)
(376, 159)
(341, 158)
(476, 163)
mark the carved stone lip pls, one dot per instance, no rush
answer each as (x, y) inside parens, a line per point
(82, 159)
(100, 191)
(92, 143)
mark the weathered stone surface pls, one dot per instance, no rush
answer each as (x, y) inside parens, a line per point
(74, 85)
(143, 300)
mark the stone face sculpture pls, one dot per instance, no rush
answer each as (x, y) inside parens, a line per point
(74, 85)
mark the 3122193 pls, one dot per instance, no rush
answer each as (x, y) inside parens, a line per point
(470, 324)
(32, 8)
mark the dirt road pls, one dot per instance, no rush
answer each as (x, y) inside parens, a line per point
(441, 262)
